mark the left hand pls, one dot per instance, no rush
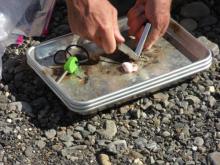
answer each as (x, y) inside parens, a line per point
(157, 12)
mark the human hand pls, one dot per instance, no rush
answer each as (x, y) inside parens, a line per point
(157, 12)
(95, 20)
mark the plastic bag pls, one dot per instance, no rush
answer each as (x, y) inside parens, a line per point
(23, 17)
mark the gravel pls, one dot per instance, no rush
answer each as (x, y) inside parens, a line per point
(176, 125)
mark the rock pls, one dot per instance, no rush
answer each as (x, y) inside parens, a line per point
(50, 134)
(29, 152)
(189, 24)
(138, 162)
(208, 21)
(141, 143)
(210, 45)
(71, 150)
(57, 147)
(109, 130)
(195, 10)
(212, 89)
(2, 153)
(161, 97)
(68, 144)
(117, 146)
(214, 158)
(40, 143)
(77, 136)
(104, 159)
(91, 128)
(212, 101)
(198, 141)
(3, 99)
(193, 99)
(166, 134)
(152, 146)
(66, 138)
(124, 109)
(23, 107)
(136, 155)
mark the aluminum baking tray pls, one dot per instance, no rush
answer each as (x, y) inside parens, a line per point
(173, 58)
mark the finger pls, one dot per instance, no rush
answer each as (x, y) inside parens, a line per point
(154, 35)
(135, 12)
(107, 39)
(136, 24)
(118, 37)
(139, 33)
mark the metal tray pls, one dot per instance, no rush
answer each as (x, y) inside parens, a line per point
(174, 57)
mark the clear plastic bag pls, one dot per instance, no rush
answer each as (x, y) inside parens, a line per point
(23, 17)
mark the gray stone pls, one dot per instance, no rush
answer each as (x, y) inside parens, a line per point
(166, 134)
(189, 24)
(124, 109)
(40, 143)
(208, 21)
(117, 146)
(214, 158)
(193, 99)
(57, 147)
(66, 138)
(50, 134)
(68, 144)
(212, 101)
(71, 150)
(77, 136)
(195, 10)
(160, 97)
(109, 130)
(152, 146)
(198, 141)
(2, 153)
(91, 128)
(29, 151)
(3, 99)
(210, 45)
(141, 143)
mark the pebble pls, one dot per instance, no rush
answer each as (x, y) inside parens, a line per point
(91, 128)
(166, 134)
(160, 97)
(118, 146)
(77, 136)
(208, 21)
(50, 134)
(214, 158)
(193, 99)
(152, 146)
(2, 153)
(40, 144)
(66, 138)
(189, 24)
(195, 10)
(198, 141)
(104, 159)
(9, 120)
(141, 143)
(29, 152)
(109, 130)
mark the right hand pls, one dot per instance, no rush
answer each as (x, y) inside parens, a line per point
(95, 20)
